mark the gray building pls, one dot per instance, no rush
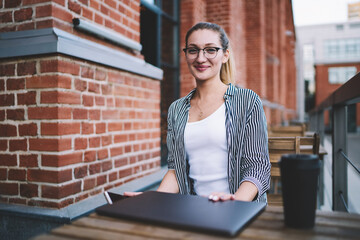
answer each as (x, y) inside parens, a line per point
(335, 43)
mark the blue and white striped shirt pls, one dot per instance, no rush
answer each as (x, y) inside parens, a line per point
(246, 132)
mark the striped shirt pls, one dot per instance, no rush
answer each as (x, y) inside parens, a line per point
(246, 133)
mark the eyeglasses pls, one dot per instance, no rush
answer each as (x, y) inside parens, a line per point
(209, 52)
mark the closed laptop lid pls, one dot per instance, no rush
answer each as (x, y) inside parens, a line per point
(186, 212)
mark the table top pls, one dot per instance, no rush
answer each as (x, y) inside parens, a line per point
(269, 225)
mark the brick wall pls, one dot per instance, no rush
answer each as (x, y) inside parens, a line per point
(324, 88)
(120, 16)
(263, 42)
(70, 128)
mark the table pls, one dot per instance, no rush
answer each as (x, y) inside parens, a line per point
(269, 225)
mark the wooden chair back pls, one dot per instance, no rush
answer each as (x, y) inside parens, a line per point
(279, 146)
(286, 131)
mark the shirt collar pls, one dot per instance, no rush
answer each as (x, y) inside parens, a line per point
(229, 92)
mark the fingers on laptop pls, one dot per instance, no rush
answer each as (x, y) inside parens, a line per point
(132, 194)
(221, 197)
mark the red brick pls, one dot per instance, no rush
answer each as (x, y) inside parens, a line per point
(28, 98)
(7, 100)
(3, 145)
(90, 156)
(80, 143)
(9, 189)
(43, 11)
(87, 13)
(100, 75)
(53, 145)
(8, 160)
(8, 130)
(87, 72)
(56, 65)
(60, 97)
(80, 85)
(18, 145)
(12, 3)
(17, 174)
(15, 84)
(39, 175)
(2, 115)
(85, 2)
(88, 100)
(87, 128)
(94, 168)
(2, 85)
(80, 113)
(125, 173)
(106, 166)
(29, 160)
(7, 69)
(60, 192)
(94, 114)
(80, 172)
(61, 14)
(48, 23)
(115, 151)
(49, 113)
(25, 26)
(100, 128)
(60, 128)
(106, 89)
(29, 129)
(117, 126)
(54, 81)
(99, 19)
(99, 101)
(110, 114)
(74, 6)
(89, 183)
(15, 114)
(120, 138)
(113, 176)
(61, 160)
(94, 142)
(100, 180)
(26, 68)
(106, 140)
(94, 87)
(23, 14)
(3, 173)
(29, 190)
(102, 154)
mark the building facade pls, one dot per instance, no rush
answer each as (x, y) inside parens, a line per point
(85, 86)
(328, 56)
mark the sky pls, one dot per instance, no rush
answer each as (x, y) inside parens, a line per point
(312, 12)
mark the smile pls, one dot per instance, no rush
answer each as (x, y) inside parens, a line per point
(201, 68)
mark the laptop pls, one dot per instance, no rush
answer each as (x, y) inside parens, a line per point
(185, 212)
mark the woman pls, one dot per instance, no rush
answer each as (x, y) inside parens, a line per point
(217, 139)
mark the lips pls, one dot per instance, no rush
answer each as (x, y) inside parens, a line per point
(201, 68)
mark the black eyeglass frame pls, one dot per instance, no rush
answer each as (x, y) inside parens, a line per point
(203, 49)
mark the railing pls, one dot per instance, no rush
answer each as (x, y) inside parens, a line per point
(337, 102)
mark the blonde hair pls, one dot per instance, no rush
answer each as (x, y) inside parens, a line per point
(227, 71)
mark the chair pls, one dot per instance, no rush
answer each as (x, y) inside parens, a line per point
(286, 131)
(287, 145)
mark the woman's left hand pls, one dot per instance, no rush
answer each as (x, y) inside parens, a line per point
(216, 196)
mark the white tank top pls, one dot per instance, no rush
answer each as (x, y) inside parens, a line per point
(206, 149)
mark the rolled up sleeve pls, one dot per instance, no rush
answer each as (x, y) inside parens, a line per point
(255, 164)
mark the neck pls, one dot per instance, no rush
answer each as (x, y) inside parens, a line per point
(207, 89)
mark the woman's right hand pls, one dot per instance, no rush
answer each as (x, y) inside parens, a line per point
(131, 194)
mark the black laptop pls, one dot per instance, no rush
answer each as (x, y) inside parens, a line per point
(186, 212)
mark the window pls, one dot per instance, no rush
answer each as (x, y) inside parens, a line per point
(342, 48)
(159, 36)
(340, 75)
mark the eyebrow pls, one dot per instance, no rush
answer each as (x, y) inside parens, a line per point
(206, 45)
